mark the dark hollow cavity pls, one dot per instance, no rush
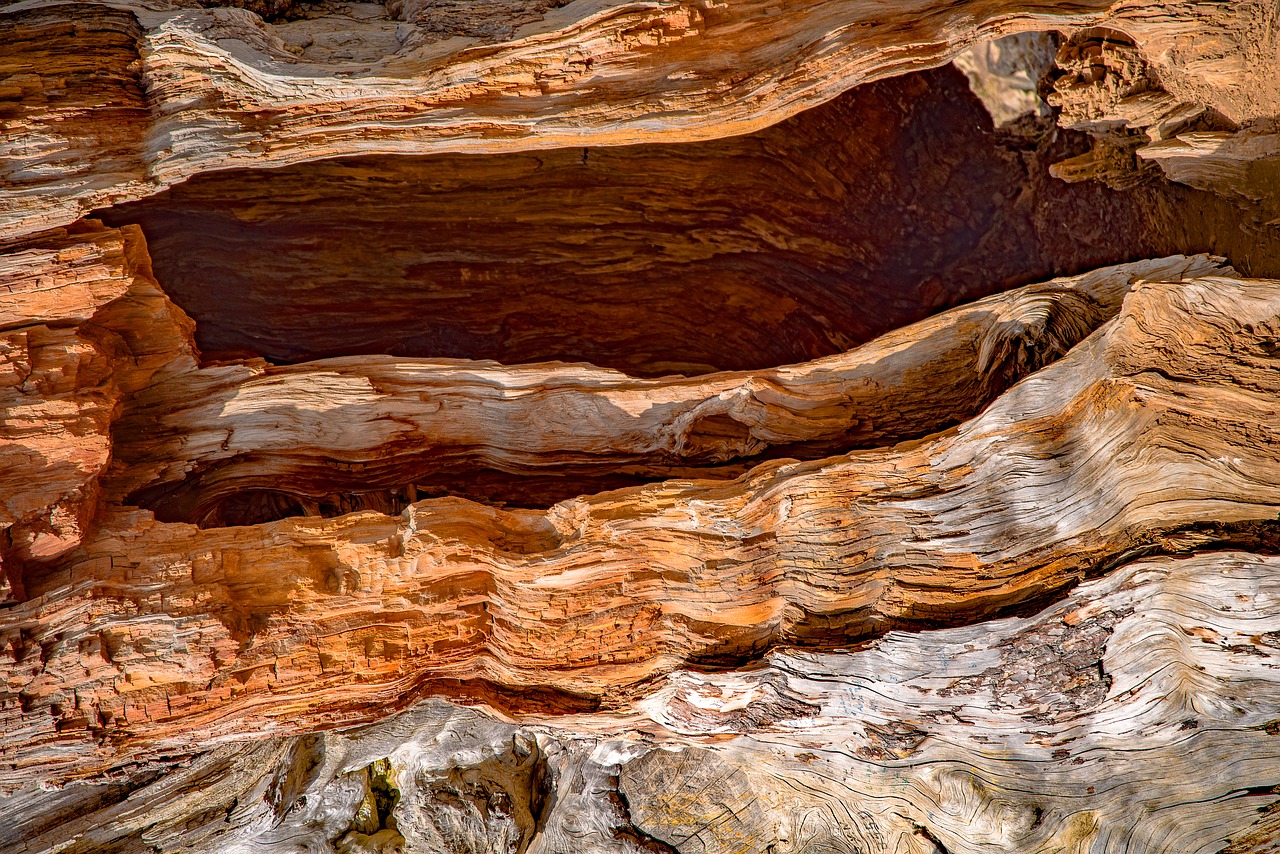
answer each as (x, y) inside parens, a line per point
(891, 202)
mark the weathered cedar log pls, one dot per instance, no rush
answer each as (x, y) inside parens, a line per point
(1054, 627)
(1156, 434)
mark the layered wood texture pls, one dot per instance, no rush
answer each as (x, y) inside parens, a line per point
(212, 445)
(1158, 433)
(800, 241)
(1138, 714)
(108, 103)
(82, 325)
(681, 452)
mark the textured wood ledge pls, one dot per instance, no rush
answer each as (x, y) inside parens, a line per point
(1139, 714)
(117, 102)
(362, 424)
(1051, 627)
(1158, 433)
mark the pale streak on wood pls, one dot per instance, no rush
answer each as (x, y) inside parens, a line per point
(1139, 714)
(369, 422)
(1158, 433)
(220, 90)
(1243, 165)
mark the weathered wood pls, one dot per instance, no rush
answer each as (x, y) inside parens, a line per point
(1003, 580)
(1139, 714)
(84, 324)
(361, 424)
(1158, 433)
(186, 90)
(745, 253)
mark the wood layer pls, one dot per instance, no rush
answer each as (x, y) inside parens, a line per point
(1105, 85)
(1158, 433)
(208, 445)
(179, 91)
(82, 325)
(1138, 715)
(87, 294)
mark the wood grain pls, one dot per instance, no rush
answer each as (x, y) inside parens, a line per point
(1139, 714)
(1156, 434)
(333, 433)
(187, 90)
(1002, 580)
(82, 325)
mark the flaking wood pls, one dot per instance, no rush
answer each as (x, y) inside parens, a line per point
(790, 466)
(1157, 434)
(352, 425)
(1015, 734)
(160, 91)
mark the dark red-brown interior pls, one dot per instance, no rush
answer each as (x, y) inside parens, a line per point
(893, 201)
